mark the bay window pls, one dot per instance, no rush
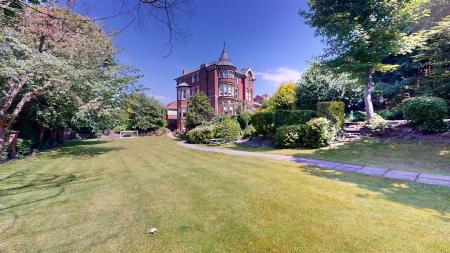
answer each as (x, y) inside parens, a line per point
(226, 90)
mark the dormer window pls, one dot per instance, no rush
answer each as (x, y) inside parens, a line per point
(195, 78)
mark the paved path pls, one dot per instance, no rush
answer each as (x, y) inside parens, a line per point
(426, 178)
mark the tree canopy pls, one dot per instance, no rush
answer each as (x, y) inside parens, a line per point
(199, 110)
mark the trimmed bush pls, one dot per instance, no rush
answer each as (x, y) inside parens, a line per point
(333, 111)
(244, 119)
(395, 113)
(179, 134)
(292, 117)
(319, 132)
(289, 136)
(426, 113)
(263, 123)
(249, 132)
(200, 134)
(229, 130)
(378, 123)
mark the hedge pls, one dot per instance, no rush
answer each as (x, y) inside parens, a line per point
(426, 113)
(292, 117)
(263, 123)
(333, 111)
(289, 136)
(200, 134)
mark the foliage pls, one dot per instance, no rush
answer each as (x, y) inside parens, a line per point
(320, 83)
(360, 34)
(377, 124)
(179, 133)
(199, 110)
(356, 116)
(244, 119)
(23, 148)
(263, 123)
(229, 130)
(200, 134)
(319, 132)
(249, 132)
(292, 117)
(283, 99)
(395, 113)
(333, 111)
(426, 113)
(145, 113)
(289, 136)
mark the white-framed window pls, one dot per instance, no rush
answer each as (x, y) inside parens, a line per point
(248, 95)
(226, 74)
(237, 80)
(228, 107)
(183, 112)
(236, 92)
(195, 78)
(183, 94)
(226, 90)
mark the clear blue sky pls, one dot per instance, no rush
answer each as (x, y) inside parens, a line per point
(267, 36)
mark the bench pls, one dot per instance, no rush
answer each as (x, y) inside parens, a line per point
(215, 142)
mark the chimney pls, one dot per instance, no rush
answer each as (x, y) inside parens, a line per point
(183, 71)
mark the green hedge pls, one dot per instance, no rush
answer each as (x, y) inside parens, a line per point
(289, 136)
(292, 117)
(426, 113)
(263, 123)
(200, 134)
(229, 130)
(333, 111)
(395, 113)
(319, 132)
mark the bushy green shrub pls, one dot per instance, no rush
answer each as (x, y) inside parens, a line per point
(179, 133)
(292, 117)
(249, 132)
(200, 134)
(319, 132)
(161, 131)
(395, 113)
(378, 123)
(263, 123)
(426, 113)
(289, 136)
(333, 111)
(356, 116)
(23, 148)
(244, 119)
(229, 130)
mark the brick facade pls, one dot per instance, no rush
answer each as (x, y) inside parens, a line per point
(224, 85)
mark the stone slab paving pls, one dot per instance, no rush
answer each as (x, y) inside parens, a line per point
(396, 174)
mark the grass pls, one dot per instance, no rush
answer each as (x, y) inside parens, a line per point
(101, 196)
(422, 156)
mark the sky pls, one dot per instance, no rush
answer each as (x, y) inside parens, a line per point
(267, 36)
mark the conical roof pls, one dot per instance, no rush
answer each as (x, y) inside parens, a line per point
(224, 59)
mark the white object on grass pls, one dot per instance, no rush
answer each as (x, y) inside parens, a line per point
(129, 134)
(152, 231)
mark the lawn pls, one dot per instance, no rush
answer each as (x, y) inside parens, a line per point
(101, 196)
(422, 156)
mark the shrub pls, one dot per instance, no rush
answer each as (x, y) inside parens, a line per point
(249, 132)
(244, 119)
(333, 111)
(378, 123)
(263, 123)
(426, 113)
(289, 136)
(200, 134)
(395, 113)
(229, 130)
(23, 148)
(292, 117)
(161, 131)
(319, 132)
(356, 116)
(179, 133)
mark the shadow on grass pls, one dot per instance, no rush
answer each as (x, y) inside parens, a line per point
(413, 194)
(81, 149)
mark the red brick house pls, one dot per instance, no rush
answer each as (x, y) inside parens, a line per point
(259, 99)
(225, 86)
(171, 115)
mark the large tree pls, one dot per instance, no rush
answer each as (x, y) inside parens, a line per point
(145, 113)
(360, 34)
(320, 83)
(282, 99)
(199, 110)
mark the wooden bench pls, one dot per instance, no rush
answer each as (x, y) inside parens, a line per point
(215, 142)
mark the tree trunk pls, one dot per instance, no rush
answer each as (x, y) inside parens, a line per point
(41, 134)
(368, 88)
(2, 136)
